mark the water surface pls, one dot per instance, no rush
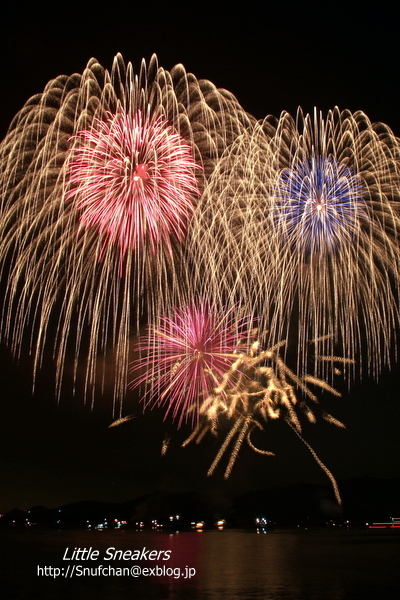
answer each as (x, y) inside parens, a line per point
(231, 565)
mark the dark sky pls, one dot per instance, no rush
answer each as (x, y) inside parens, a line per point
(272, 59)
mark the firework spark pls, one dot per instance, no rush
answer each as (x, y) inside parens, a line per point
(134, 181)
(264, 389)
(319, 206)
(99, 177)
(200, 363)
(305, 231)
(186, 356)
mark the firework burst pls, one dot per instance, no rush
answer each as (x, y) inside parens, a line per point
(99, 177)
(305, 231)
(133, 180)
(201, 364)
(258, 388)
(186, 356)
(319, 206)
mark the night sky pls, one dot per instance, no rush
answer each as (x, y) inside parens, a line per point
(272, 59)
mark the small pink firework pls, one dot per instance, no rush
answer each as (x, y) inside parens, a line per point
(132, 178)
(186, 358)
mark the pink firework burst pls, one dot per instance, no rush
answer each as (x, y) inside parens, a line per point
(132, 178)
(186, 358)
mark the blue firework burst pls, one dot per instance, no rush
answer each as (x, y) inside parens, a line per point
(319, 205)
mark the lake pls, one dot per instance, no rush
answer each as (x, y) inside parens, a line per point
(211, 565)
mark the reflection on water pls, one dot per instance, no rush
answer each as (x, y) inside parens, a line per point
(234, 565)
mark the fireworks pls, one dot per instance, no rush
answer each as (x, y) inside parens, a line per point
(307, 234)
(200, 363)
(319, 206)
(99, 177)
(186, 356)
(264, 390)
(134, 181)
(125, 195)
